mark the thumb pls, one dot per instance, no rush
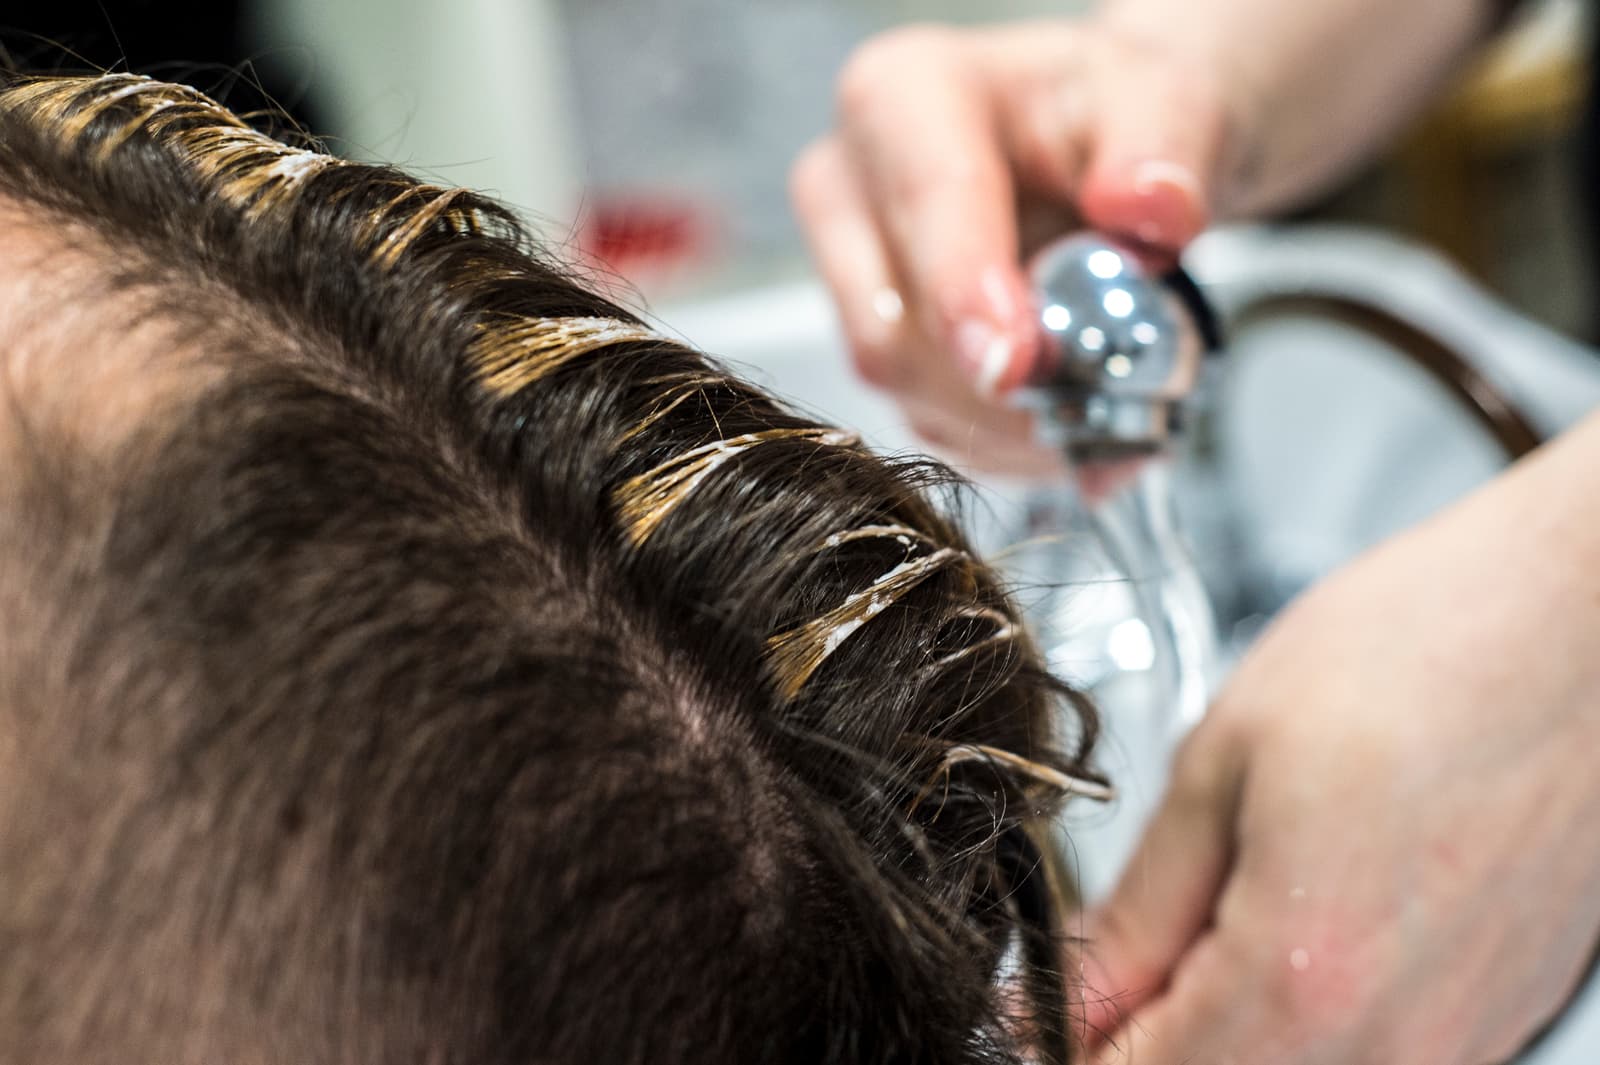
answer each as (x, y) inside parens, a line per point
(1154, 155)
(1165, 897)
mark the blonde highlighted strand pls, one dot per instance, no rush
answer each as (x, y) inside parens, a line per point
(797, 654)
(512, 355)
(645, 501)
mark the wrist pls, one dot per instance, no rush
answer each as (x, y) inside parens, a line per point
(1312, 89)
(1555, 487)
(1534, 539)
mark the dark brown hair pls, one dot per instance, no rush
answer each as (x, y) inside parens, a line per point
(453, 670)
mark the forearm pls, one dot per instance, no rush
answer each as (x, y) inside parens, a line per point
(1530, 541)
(1315, 88)
(1550, 509)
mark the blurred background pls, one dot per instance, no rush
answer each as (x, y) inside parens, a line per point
(656, 136)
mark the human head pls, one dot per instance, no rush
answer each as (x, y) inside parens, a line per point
(412, 656)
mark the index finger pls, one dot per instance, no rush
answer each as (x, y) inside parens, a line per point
(1143, 937)
(918, 121)
(1194, 1021)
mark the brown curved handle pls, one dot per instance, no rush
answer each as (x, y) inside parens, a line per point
(1501, 417)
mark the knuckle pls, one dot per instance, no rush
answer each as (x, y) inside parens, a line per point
(1190, 766)
(874, 69)
(809, 177)
(1297, 1008)
(1053, 150)
(1320, 995)
(1117, 930)
(1198, 768)
(877, 363)
(930, 431)
(922, 186)
(861, 80)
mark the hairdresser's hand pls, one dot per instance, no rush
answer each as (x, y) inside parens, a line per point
(955, 153)
(1383, 845)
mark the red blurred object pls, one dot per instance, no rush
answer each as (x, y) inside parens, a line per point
(647, 235)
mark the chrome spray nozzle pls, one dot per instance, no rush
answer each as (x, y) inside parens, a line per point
(1123, 350)
(1123, 346)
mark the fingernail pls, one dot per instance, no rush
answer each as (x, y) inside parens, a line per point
(1171, 203)
(985, 355)
(888, 306)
